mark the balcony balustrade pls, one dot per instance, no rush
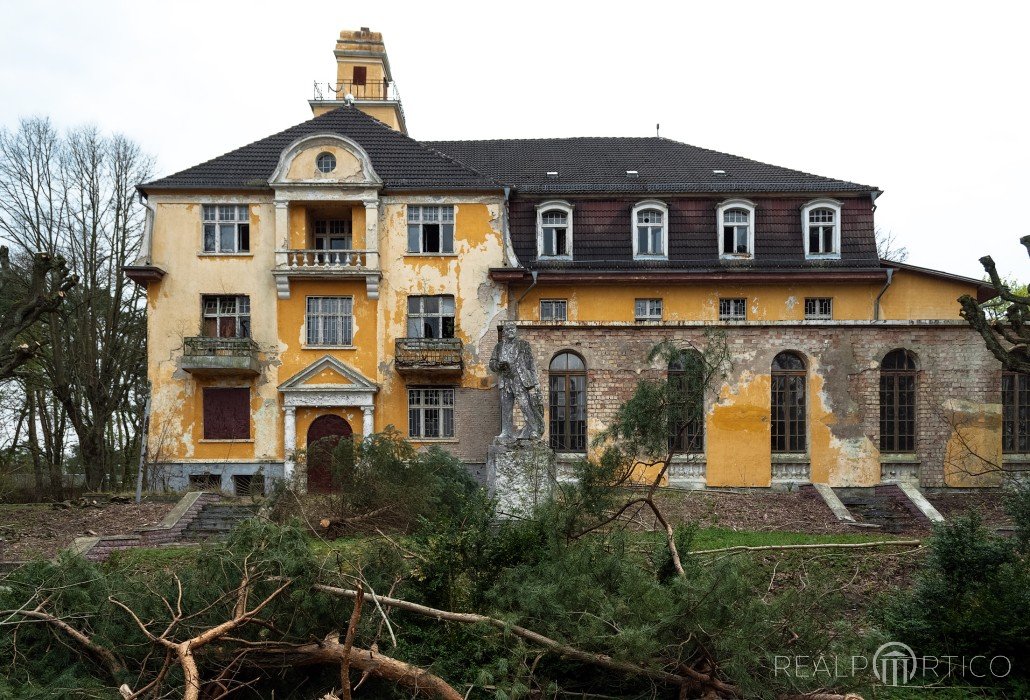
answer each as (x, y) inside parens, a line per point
(439, 356)
(205, 356)
(321, 264)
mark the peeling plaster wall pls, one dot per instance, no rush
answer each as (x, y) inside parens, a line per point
(174, 312)
(843, 393)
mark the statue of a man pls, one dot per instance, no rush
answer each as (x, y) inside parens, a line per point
(512, 362)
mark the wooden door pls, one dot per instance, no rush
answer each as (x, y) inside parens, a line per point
(324, 433)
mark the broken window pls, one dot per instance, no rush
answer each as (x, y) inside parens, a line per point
(898, 402)
(554, 310)
(554, 230)
(733, 309)
(226, 316)
(226, 413)
(226, 228)
(430, 229)
(1015, 415)
(736, 232)
(431, 316)
(789, 403)
(567, 380)
(822, 231)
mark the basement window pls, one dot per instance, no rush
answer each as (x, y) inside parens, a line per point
(733, 309)
(430, 229)
(818, 309)
(554, 310)
(647, 310)
(226, 228)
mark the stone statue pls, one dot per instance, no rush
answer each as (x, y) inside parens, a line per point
(512, 362)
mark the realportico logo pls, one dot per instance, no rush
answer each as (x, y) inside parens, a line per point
(895, 664)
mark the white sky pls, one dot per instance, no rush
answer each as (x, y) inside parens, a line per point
(926, 101)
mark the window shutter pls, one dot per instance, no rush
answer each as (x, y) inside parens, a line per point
(226, 413)
(360, 74)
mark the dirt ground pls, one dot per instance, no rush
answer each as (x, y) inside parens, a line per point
(38, 530)
(990, 505)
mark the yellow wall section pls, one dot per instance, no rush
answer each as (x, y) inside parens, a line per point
(973, 452)
(910, 296)
(738, 439)
(304, 165)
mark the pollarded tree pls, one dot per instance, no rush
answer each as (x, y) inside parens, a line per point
(1007, 336)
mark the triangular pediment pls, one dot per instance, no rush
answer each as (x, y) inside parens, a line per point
(329, 373)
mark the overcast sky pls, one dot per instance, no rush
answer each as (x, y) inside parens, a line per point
(926, 101)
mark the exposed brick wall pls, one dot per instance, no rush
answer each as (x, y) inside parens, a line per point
(952, 362)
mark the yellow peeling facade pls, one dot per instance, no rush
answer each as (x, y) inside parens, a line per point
(327, 228)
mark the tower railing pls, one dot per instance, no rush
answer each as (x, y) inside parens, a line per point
(366, 90)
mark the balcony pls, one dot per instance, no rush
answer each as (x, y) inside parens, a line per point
(326, 265)
(437, 356)
(381, 90)
(204, 356)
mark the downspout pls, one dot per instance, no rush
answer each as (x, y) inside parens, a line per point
(518, 303)
(876, 304)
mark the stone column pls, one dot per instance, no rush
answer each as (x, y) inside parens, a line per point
(289, 441)
(282, 231)
(372, 226)
(367, 424)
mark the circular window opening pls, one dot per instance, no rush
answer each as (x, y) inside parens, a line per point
(326, 162)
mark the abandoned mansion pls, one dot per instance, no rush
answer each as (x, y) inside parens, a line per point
(339, 278)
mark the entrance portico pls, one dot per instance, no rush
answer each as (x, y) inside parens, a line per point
(326, 383)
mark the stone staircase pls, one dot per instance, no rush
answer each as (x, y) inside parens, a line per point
(885, 505)
(218, 519)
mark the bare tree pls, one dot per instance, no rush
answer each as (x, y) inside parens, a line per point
(74, 196)
(1008, 336)
(888, 247)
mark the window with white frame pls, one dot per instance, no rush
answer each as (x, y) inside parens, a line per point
(430, 229)
(736, 229)
(647, 310)
(431, 316)
(650, 230)
(554, 230)
(733, 309)
(431, 413)
(226, 316)
(821, 223)
(330, 321)
(554, 310)
(226, 228)
(819, 308)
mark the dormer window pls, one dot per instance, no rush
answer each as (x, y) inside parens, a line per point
(650, 230)
(821, 225)
(554, 230)
(736, 229)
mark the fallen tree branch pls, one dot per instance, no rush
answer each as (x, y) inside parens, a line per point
(564, 650)
(825, 545)
(105, 656)
(331, 651)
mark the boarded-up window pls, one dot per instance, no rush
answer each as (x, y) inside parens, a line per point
(226, 413)
(360, 74)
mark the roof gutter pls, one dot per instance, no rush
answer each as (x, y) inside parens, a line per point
(876, 304)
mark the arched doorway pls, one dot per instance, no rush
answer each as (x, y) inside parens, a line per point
(324, 433)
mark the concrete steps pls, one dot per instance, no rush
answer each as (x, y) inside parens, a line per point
(218, 520)
(886, 506)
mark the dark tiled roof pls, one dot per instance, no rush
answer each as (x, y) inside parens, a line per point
(402, 162)
(599, 165)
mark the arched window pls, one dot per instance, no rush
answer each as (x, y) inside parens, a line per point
(568, 402)
(736, 229)
(898, 402)
(789, 403)
(820, 222)
(554, 230)
(686, 402)
(650, 230)
(1015, 412)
